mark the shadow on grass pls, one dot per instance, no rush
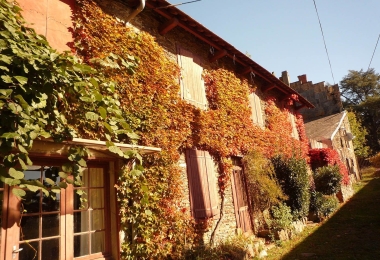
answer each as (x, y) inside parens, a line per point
(351, 233)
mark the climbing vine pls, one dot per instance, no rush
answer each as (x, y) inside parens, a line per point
(38, 90)
(151, 202)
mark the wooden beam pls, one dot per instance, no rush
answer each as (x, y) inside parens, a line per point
(167, 26)
(219, 54)
(286, 97)
(299, 107)
(266, 89)
(246, 70)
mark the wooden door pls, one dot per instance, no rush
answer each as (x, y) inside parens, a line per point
(239, 192)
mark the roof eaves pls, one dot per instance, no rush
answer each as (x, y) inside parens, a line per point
(201, 32)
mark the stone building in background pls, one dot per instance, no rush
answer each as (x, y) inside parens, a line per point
(326, 124)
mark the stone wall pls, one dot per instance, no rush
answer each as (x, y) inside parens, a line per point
(227, 227)
(345, 149)
(326, 99)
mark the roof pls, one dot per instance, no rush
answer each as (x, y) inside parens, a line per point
(324, 128)
(184, 21)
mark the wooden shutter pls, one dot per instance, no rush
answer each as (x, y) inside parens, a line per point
(239, 193)
(292, 119)
(202, 184)
(192, 84)
(257, 116)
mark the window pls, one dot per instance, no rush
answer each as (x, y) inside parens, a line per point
(257, 115)
(239, 193)
(202, 184)
(74, 224)
(192, 84)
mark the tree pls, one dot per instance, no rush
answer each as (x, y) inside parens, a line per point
(358, 86)
(361, 93)
(360, 133)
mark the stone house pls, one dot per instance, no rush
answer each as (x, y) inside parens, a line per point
(327, 124)
(194, 48)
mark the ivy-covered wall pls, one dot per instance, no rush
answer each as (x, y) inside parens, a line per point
(154, 109)
(154, 208)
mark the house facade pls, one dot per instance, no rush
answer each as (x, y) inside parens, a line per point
(258, 111)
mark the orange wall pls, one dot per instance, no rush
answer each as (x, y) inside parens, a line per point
(51, 18)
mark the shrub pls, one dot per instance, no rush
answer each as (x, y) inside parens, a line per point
(375, 160)
(234, 247)
(327, 156)
(328, 180)
(281, 217)
(263, 187)
(325, 204)
(294, 180)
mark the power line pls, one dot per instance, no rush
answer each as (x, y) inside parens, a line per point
(373, 52)
(323, 36)
(178, 4)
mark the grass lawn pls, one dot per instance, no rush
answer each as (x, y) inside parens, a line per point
(353, 232)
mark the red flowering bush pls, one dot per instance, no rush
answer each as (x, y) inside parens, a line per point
(328, 157)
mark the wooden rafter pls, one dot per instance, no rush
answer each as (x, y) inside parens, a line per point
(167, 26)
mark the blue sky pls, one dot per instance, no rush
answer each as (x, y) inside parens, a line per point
(285, 34)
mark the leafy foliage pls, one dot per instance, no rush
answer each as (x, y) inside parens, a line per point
(325, 205)
(281, 217)
(39, 87)
(150, 202)
(326, 156)
(294, 179)
(375, 160)
(361, 90)
(327, 180)
(234, 247)
(362, 150)
(262, 183)
(150, 103)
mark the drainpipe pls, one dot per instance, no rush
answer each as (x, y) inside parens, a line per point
(136, 11)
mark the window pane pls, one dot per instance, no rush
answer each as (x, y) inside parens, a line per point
(96, 177)
(50, 249)
(81, 221)
(98, 241)
(97, 198)
(50, 203)
(97, 221)
(52, 174)
(50, 225)
(80, 200)
(29, 227)
(31, 204)
(29, 251)
(33, 172)
(84, 178)
(81, 245)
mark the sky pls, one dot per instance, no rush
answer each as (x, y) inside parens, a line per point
(285, 34)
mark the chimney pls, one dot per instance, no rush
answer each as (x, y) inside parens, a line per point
(285, 78)
(302, 78)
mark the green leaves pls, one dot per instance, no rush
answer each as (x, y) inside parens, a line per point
(16, 174)
(92, 116)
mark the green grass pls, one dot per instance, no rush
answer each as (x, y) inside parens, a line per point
(353, 232)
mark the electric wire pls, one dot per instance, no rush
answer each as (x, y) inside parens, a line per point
(373, 52)
(178, 4)
(323, 36)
